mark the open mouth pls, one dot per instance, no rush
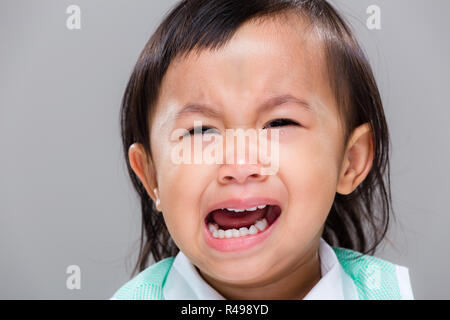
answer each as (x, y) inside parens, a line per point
(237, 223)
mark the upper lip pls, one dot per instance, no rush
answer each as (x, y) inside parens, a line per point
(242, 203)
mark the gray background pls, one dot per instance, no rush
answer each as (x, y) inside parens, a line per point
(65, 197)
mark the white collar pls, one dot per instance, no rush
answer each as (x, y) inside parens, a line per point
(184, 282)
(334, 284)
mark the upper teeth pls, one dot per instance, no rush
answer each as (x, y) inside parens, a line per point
(249, 209)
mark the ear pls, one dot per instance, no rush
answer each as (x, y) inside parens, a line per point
(142, 166)
(357, 161)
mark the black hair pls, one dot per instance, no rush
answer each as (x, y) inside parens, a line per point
(357, 221)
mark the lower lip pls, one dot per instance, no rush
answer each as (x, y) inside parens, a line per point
(240, 243)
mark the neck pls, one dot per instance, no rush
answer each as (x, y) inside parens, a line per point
(294, 285)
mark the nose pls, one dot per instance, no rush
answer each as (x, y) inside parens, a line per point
(241, 163)
(240, 173)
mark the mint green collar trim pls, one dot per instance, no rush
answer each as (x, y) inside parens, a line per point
(373, 277)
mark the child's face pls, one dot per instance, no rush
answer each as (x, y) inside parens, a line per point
(261, 61)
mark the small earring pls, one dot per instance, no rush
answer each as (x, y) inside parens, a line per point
(157, 202)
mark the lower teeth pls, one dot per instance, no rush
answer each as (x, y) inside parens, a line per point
(259, 226)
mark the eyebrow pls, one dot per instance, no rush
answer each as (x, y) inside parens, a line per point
(271, 103)
(279, 100)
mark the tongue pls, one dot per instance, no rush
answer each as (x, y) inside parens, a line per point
(228, 219)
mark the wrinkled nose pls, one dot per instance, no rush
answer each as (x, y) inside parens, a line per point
(240, 173)
(242, 165)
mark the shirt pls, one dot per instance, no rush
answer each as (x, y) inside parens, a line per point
(184, 282)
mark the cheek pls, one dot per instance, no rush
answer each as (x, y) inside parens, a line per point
(308, 168)
(181, 191)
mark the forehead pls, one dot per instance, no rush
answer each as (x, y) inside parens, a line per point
(276, 55)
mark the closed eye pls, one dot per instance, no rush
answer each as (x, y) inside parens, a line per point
(201, 130)
(272, 124)
(280, 123)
